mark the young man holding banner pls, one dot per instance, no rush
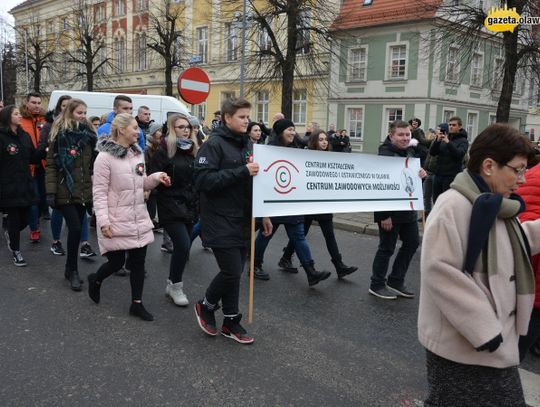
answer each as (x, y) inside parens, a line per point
(223, 178)
(394, 224)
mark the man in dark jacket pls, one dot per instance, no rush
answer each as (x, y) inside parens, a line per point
(223, 178)
(394, 224)
(341, 143)
(450, 150)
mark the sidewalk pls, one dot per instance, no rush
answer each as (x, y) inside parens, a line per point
(361, 222)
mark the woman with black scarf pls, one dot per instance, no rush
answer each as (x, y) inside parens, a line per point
(70, 160)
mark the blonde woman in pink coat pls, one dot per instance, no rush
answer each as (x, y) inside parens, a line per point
(122, 220)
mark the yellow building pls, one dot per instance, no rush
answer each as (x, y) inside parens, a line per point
(208, 30)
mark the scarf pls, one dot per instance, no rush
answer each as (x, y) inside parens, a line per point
(481, 254)
(69, 146)
(184, 144)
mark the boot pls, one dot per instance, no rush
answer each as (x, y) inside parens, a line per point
(137, 310)
(94, 287)
(176, 293)
(66, 275)
(314, 276)
(259, 273)
(285, 263)
(75, 280)
(342, 269)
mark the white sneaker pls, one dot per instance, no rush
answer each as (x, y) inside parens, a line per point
(176, 293)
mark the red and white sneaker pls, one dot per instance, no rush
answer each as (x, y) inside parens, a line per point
(206, 318)
(34, 236)
(232, 329)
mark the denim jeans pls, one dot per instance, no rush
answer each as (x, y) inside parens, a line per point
(196, 232)
(295, 232)
(408, 233)
(56, 225)
(327, 229)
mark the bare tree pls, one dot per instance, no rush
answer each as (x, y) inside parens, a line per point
(84, 43)
(9, 73)
(165, 37)
(35, 51)
(463, 23)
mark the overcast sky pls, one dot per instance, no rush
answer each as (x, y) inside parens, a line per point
(5, 6)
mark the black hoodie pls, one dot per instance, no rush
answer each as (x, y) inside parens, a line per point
(450, 155)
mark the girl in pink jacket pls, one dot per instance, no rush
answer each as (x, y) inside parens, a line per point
(122, 220)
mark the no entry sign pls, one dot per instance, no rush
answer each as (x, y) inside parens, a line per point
(193, 85)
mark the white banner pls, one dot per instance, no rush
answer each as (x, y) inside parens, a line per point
(301, 182)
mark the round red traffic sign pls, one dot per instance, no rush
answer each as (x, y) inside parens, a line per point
(193, 85)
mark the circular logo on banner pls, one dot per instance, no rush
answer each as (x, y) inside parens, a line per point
(407, 180)
(283, 175)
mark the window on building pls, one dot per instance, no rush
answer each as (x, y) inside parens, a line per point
(177, 50)
(65, 24)
(492, 118)
(227, 95)
(202, 44)
(200, 111)
(368, 2)
(357, 64)
(398, 62)
(498, 70)
(231, 38)
(265, 43)
(142, 5)
(452, 65)
(472, 125)
(120, 8)
(263, 100)
(447, 114)
(303, 35)
(477, 69)
(355, 122)
(120, 54)
(519, 84)
(299, 106)
(140, 51)
(102, 57)
(50, 27)
(393, 114)
(100, 14)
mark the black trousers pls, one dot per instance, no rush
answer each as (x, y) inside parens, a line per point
(441, 183)
(74, 215)
(116, 260)
(226, 284)
(180, 234)
(17, 220)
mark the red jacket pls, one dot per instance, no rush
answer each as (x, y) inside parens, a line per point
(32, 124)
(530, 192)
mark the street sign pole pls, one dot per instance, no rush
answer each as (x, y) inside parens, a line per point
(243, 59)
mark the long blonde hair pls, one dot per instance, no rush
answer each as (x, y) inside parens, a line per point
(171, 135)
(65, 121)
(121, 121)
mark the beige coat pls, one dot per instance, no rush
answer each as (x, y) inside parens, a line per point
(459, 312)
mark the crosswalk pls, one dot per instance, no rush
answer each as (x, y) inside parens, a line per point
(531, 387)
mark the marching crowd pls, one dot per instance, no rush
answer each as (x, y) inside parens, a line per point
(133, 175)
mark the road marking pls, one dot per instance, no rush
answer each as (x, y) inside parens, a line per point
(531, 387)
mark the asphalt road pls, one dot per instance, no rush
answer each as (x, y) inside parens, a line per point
(332, 345)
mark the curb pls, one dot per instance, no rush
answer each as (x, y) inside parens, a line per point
(364, 228)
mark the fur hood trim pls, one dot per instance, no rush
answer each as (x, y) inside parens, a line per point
(107, 145)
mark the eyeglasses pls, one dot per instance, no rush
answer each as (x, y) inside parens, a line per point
(520, 172)
(182, 127)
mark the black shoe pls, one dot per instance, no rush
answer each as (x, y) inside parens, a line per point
(57, 249)
(260, 274)
(206, 318)
(86, 251)
(66, 275)
(232, 329)
(18, 259)
(342, 269)
(94, 288)
(383, 293)
(75, 280)
(535, 349)
(402, 291)
(285, 264)
(314, 276)
(138, 310)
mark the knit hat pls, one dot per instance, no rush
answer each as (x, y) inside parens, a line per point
(281, 125)
(153, 128)
(193, 121)
(444, 127)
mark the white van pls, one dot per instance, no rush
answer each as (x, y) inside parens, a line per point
(99, 103)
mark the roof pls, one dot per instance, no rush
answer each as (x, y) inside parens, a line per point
(354, 14)
(23, 4)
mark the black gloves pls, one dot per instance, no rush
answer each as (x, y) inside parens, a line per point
(51, 200)
(492, 345)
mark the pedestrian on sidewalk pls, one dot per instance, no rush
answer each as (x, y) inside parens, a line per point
(294, 225)
(17, 192)
(318, 140)
(223, 176)
(70, 160)
(123, 224)
(394, 225)
(477, 282)
(177, 205)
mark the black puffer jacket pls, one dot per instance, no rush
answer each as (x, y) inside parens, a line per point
(450, 155)
(225, 187)
(16, 154)
(177, 203)
(388, 149)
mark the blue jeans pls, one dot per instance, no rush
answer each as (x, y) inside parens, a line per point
(196, 231)
(296, 236)
(408, 233)
(56, 225)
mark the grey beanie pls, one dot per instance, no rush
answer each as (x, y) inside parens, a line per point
(194, 121)
(153, 128)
